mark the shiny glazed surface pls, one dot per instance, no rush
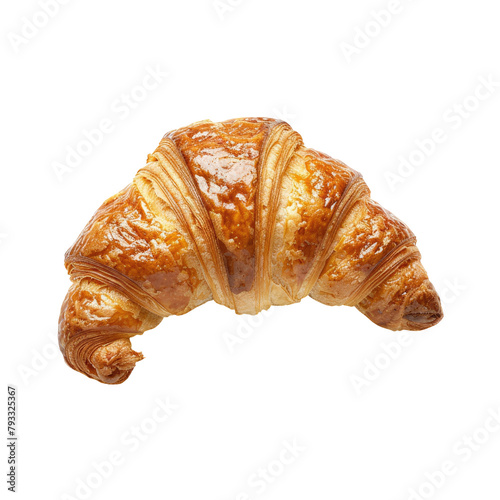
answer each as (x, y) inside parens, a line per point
(243, 213)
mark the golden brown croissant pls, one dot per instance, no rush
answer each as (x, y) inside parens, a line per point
(242, 213)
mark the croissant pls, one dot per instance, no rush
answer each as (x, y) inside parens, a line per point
(243, 213)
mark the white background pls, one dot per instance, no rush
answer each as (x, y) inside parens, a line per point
(299, 374)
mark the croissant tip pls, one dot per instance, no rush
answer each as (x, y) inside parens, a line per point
(423, 310)
(422, 321)
(114, 362)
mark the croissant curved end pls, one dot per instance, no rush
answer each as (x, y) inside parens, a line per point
(114, 362)
(423, 308)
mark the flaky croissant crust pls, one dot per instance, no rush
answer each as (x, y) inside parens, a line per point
(243, 213)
